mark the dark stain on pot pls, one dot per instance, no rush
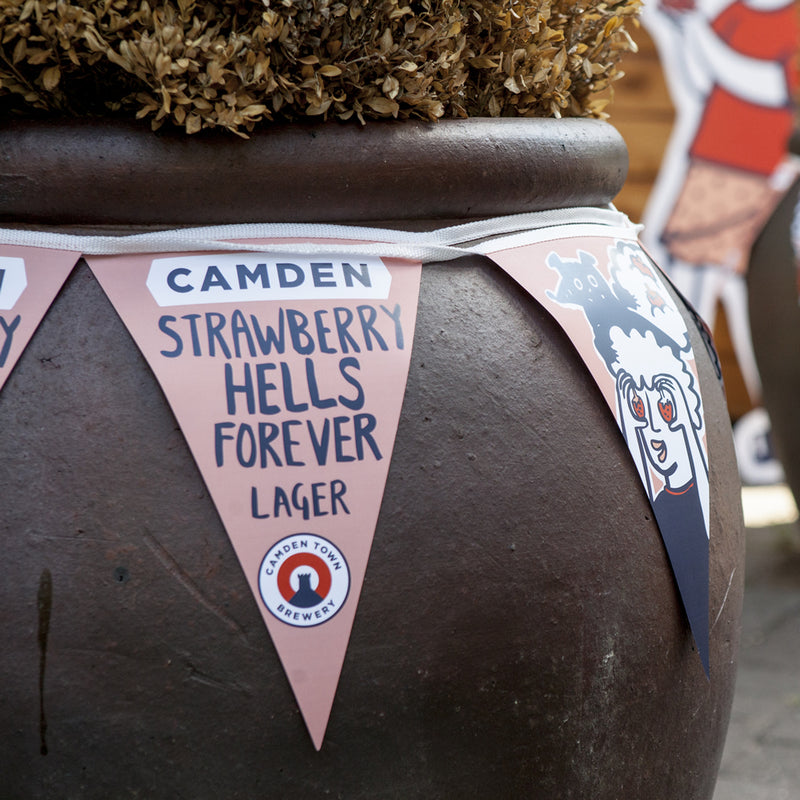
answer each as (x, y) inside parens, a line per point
(121, 575)
(44, 604)
(49, 362)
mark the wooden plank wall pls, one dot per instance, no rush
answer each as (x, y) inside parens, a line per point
(642, 111)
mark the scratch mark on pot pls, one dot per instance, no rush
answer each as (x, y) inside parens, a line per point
(724, 599)
(206, 680)
(44, 605)
(49, 362)
(180, 575)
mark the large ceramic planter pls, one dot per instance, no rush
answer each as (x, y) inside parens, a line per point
(775, 323)
(519, 633)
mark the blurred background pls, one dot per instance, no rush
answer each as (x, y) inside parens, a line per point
(760, 760)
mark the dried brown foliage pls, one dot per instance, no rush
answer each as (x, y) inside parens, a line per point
(237, 64)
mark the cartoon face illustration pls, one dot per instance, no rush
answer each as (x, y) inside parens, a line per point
(653, 409)
(658, 404)
(659, 408)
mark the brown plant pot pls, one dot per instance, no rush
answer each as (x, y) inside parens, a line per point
(772, 285)
(519, 632)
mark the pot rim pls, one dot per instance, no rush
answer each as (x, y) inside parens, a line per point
(85, 172)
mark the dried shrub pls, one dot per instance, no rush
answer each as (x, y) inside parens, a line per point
(235, 65)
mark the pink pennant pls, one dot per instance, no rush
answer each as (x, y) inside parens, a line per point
(612, 302)
(30, 278)
(287, 377)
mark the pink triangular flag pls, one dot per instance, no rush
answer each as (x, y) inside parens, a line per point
(30, 278)
(611, 300)
(287, 377)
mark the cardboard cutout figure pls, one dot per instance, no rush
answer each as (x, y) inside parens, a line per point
(730, 67)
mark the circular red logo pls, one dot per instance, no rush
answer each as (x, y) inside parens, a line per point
(304, 580)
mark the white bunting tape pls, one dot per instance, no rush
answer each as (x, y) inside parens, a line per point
(442, 244)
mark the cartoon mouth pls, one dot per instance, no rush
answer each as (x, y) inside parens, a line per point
(660, 449)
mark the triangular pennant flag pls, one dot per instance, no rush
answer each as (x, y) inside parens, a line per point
(30, 278)
(287, 376)
(610, 299)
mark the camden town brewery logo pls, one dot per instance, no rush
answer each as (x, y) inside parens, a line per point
(304, 580)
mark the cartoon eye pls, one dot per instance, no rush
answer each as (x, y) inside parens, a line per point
(577, 283)
(592, 281)
(637, 405)
(666, 408)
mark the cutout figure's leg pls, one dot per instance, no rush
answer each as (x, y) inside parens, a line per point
(734, 301)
